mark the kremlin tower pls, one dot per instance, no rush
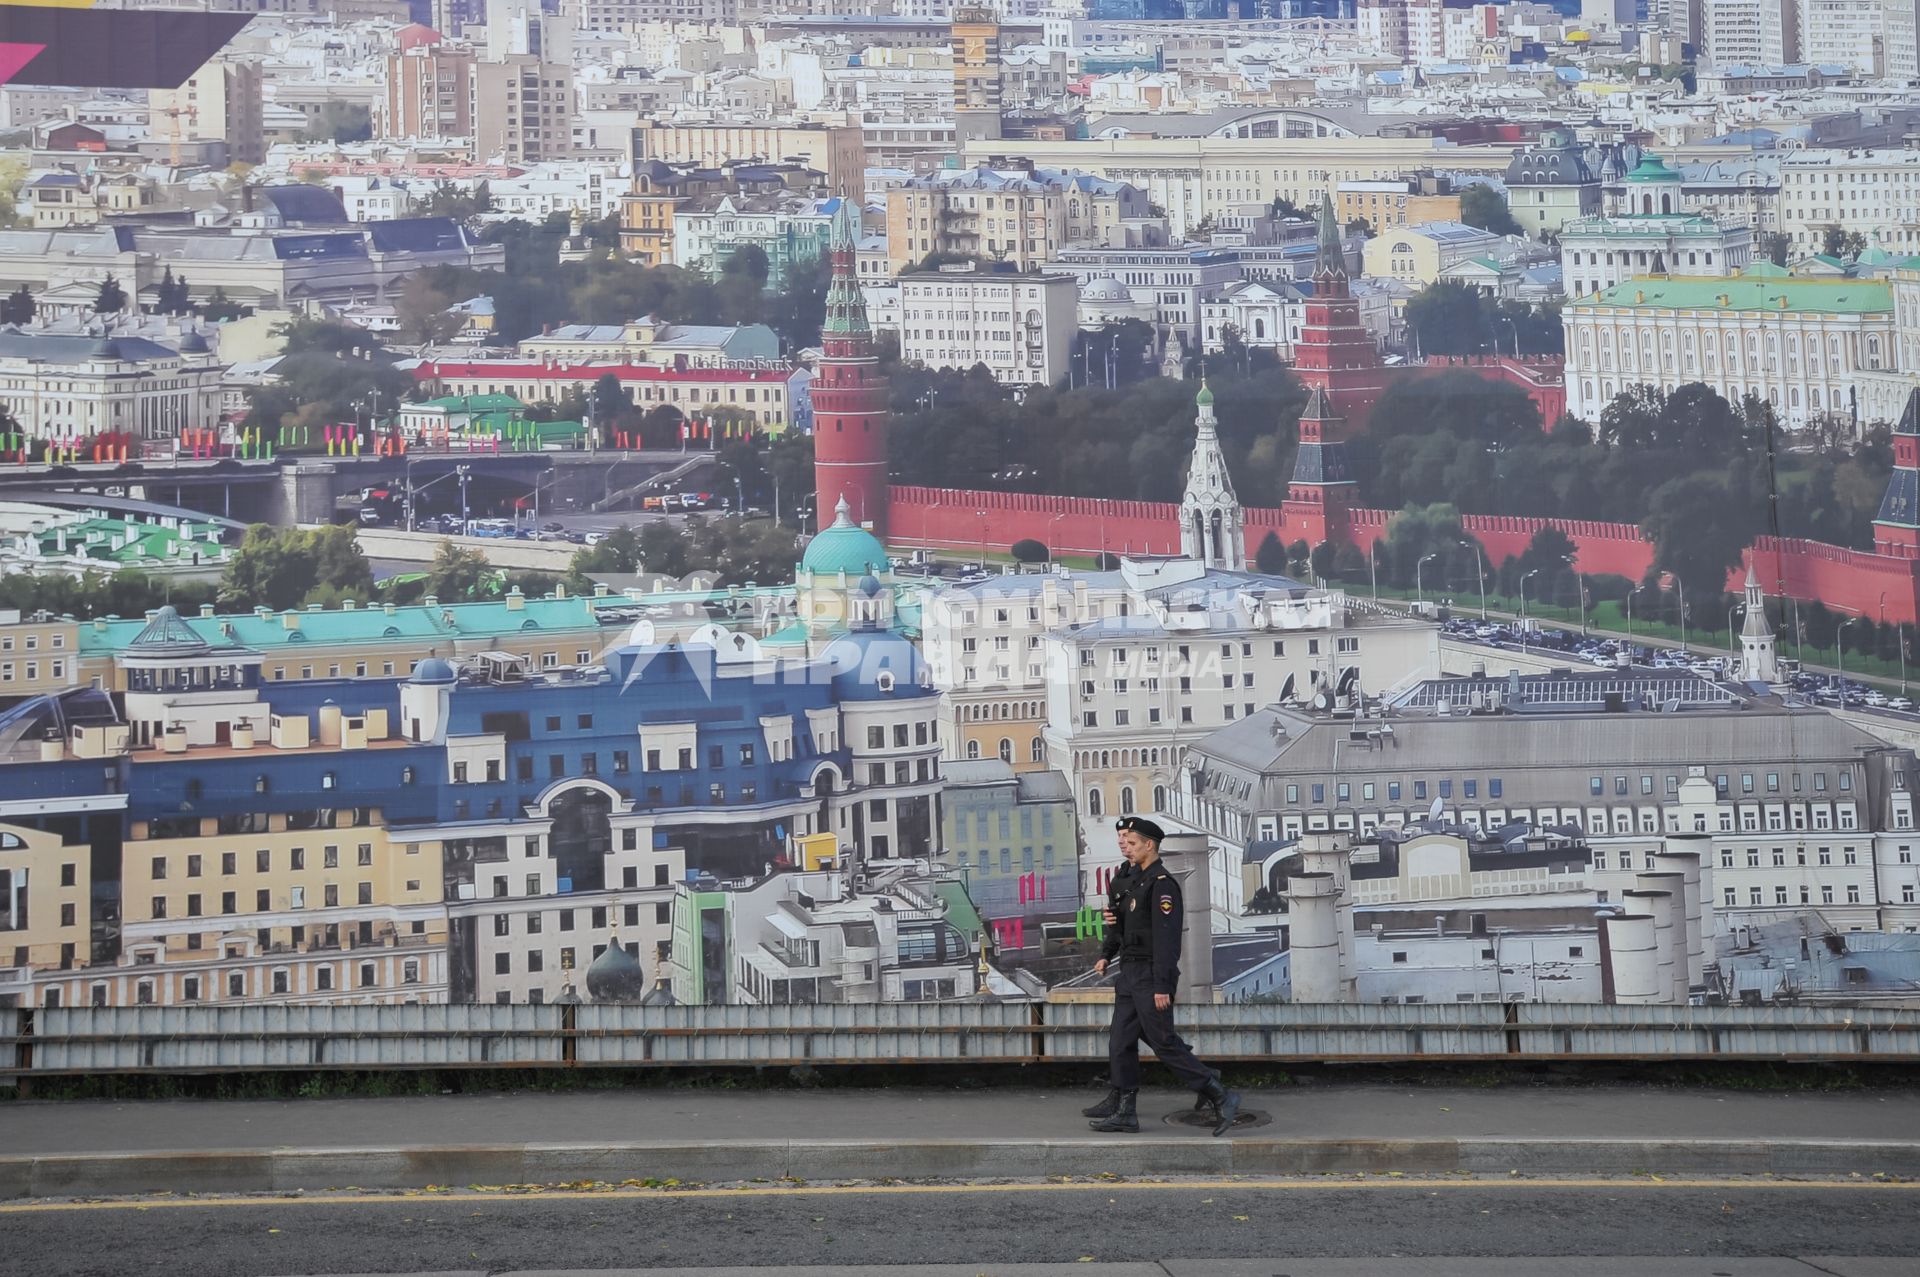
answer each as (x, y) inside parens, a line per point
(1896, 529)
(1334, 351)
(849, 395)
(1322, 488)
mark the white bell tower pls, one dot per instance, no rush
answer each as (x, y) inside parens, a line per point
(1212, 525)
(1758, 662)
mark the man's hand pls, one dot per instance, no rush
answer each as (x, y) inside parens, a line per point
(1106, 916)
(1161, 1001)
(1100, 967)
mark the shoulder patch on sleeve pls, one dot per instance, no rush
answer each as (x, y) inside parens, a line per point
(1166, 904)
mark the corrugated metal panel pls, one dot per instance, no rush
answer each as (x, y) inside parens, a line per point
(1548, 1029)
(183, 1039)
(723, 1034)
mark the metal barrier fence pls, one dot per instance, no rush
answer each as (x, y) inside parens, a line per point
(179, 1040)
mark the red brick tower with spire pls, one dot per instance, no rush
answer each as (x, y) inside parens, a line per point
(1896, 528)
(849, 394)
(1322, 488)
(1334, 351)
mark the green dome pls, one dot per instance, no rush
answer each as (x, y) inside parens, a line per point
(1205, 396)
(844, 548)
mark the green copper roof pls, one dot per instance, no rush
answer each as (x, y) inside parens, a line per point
(1331, 256)
(419, 623)
(470, 403)
(1653, 169)
(845, 547)
(1803, 296)
(846, 305)
(1205, 397)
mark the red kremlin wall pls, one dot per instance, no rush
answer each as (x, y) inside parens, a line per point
(1871, 585)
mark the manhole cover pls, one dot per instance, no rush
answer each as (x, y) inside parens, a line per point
(1246, 1120)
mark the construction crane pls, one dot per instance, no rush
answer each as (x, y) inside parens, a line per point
(173, 114)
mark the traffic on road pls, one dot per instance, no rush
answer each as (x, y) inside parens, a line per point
(1810, 686)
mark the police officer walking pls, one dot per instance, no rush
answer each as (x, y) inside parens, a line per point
(1144, 912)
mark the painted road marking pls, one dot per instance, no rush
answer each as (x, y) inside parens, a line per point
(1387, 1180)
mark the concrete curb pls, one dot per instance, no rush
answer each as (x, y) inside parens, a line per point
(720, 1161)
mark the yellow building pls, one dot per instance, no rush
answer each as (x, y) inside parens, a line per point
(1395, 202)
(837, 150)
(38, 654)
(646, 220)
(45, 882)
(322, 908)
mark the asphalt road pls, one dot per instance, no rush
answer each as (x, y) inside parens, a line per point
(904, 1226)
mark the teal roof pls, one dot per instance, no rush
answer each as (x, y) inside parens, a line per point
(1803, 296)
(787, 636)
(361, 625)
(470, 403)
(844, 548)
(1205, 396)
(1653, 169)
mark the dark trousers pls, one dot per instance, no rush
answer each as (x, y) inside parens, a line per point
(1136, 1018)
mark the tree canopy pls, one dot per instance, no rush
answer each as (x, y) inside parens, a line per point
(283, 568)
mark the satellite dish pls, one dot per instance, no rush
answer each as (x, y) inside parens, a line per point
(1436, 811)
(1323, 700)
(1286, 690)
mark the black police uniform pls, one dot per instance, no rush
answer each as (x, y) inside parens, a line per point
(1147, 909)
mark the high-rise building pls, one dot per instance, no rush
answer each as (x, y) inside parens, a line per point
(1749, 32)
(522, 109)
(428, 93)
(219, 102)
(849, 395)
(1846, 33)
(976, 74)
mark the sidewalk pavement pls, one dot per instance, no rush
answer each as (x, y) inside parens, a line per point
(54, 1148)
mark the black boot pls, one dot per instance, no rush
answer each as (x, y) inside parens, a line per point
(1226, 1105)
(1105, 1108)
(1124, 1118)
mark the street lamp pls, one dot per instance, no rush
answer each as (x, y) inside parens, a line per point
(1050, 526)
(1526, 576)
(1419, 591)
(983, 539)
(1733, 655)
(1839, 651)
(1480, 564)
(1373, 567)
(1680, 587)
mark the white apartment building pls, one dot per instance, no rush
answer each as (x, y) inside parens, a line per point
(1750, 32)
(1846, 33)
(875, 933)
(1020, 326)
(1875, 192)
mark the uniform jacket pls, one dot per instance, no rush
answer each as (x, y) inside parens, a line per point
(1150, 911)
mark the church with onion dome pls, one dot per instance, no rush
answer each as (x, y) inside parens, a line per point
(843, 584)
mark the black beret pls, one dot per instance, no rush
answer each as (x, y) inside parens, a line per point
(1139, 825)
